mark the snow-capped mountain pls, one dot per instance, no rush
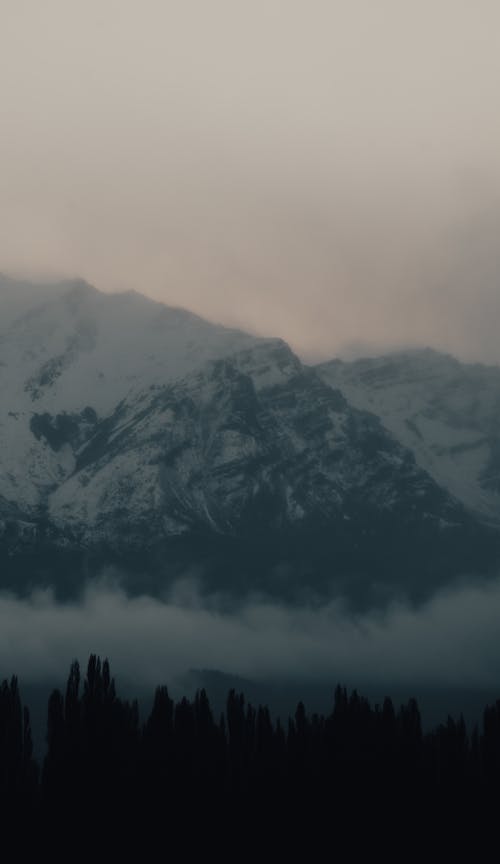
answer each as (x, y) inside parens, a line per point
(446, 412)
(140, 434)
(227, 447)
(74, 348)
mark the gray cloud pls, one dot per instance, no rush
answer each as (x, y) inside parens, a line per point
(452, 641)
(324, 171)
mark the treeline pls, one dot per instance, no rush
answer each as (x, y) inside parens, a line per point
(243, 771)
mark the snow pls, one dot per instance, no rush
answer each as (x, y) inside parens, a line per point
(86, 347)
(445, 412)
(199, 419)
(68, 346)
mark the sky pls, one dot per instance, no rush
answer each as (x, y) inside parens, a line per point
(323, 170)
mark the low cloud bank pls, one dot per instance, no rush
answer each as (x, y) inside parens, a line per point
(452, 641)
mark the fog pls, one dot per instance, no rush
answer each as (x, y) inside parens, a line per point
(450, 642)
(325, 171)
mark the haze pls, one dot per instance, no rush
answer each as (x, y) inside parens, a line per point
(450, 641)
(325, 171)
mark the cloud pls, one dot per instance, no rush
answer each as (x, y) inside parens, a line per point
(451, 641)
(327, 172)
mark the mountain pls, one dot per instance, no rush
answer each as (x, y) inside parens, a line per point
(141, 436)
(446, 412)
(74, 354)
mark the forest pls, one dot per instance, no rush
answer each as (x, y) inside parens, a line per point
(361, 771)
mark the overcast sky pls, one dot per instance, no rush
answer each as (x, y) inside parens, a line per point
(323, 170)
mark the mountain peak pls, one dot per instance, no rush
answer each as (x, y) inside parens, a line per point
(126, 424)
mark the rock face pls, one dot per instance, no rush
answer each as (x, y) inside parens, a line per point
(136, 434)
(447, 413)
(76, 349)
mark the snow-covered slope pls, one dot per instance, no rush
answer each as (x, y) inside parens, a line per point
(18, 297)
(78, 346)
(228, 447)
(446, 412)
(69, 347)
(128, 428)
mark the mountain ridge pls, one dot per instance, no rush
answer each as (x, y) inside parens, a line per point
(445, 411)
(141, 435)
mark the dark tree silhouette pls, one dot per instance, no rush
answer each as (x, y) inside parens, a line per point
(355, 773)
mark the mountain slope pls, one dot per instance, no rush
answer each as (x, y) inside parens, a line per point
(143, 436)
(76, 348)
(207, 450)
(446, 412)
